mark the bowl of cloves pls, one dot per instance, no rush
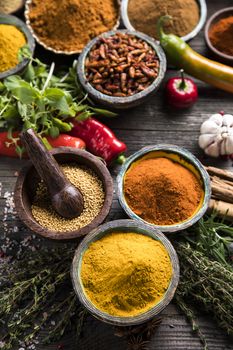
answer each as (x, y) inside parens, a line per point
(121, 69)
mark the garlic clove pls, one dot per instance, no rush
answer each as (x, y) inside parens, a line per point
(217, 118)
(206, 140)
(209, 127)
(223, 147)
(213, 150)
(229, 145)
(228, 120)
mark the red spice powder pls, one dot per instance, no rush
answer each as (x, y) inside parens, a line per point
(221, 35)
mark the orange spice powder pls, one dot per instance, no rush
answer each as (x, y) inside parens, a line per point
(161, 191)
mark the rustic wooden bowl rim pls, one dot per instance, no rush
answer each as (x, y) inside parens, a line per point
(113, 100)
(214, 18)
(190, 158)
(15, 21)
(124, 226)
(45, 232)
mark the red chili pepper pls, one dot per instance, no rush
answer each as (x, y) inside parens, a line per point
(181, 92)
(62, 140)
(99, 139)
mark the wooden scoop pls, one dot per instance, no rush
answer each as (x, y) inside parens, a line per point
(66, 199)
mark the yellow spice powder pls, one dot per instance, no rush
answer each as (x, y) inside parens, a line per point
(126, 274)
(11, 40)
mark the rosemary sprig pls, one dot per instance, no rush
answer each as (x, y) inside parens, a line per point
(37, 290)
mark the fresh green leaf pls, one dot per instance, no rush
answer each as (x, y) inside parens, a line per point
(57, 99)
(21, 89)
(54, 132)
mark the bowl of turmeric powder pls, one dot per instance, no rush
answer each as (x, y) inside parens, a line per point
(164, 186)
(14, 36)
(135, 274)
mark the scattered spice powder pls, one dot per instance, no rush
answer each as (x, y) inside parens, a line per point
(161, 191)
(121, 65)
(92, 190)
(131, 275)
(144, 14)
(11, 40)
(221, 35)
(68, 25)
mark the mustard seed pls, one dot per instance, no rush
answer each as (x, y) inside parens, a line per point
(92, 190)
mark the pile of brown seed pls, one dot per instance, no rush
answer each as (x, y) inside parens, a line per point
(92, 190)
(121, 65)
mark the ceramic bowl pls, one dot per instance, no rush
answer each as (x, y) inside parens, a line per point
(28, 179)
(212, 20)
(49, 48)
(124, 226)
(121, 102)
(12, 20)
(181, 156)
(189, 36)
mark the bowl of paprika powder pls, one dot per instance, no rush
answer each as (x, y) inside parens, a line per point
(165, 186)
(219, 34)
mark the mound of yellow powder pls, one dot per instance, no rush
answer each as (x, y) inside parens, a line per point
(11, 40)
(125, 274)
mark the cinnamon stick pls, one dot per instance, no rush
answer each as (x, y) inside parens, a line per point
(223, 174)
(223, 209)
(222, 193)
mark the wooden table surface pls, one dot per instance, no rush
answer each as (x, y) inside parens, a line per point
(151, 123)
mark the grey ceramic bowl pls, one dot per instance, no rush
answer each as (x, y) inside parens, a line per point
(49, 48)
(124, 226)
(189, 36)
(212, 20)
(122, 102)
(181, 156)
(12, 20)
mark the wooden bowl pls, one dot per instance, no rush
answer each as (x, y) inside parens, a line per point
(14, 21)
(25, 190)
(124, 226)
(122, 102)
(217, 16)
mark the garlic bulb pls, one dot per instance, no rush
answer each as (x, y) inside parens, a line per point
(217, 135)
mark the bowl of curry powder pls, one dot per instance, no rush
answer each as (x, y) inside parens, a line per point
(165, 186)
(125, 273)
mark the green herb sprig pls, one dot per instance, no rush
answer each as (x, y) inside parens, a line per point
(206, 281)
(35, 290)
(41, 100)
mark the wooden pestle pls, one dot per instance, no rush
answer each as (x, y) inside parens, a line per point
(66, 199)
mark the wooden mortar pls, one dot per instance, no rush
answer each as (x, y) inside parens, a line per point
(28, 179)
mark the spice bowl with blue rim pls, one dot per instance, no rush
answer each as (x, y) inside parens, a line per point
(173, 156)
(14, 21)
(187, 37)
(127, 76)
(123, 228)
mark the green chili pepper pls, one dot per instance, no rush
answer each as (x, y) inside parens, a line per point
(183, 56)
(62, 126)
